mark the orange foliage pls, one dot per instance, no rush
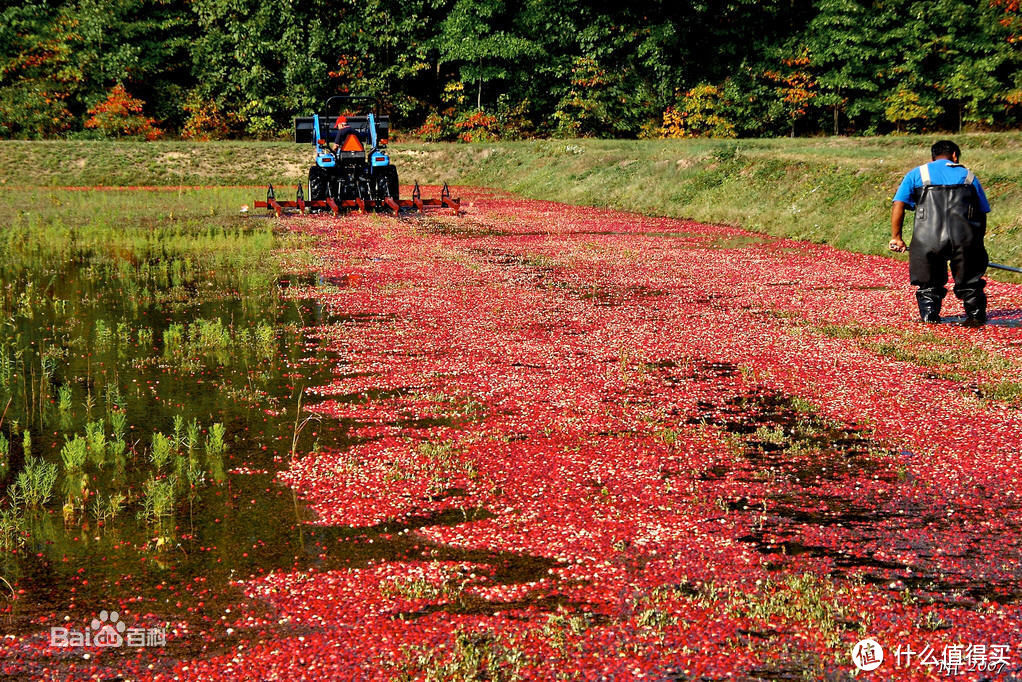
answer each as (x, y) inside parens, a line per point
(205, 122)
(349, 69)
(1011, 18)
(797, 87)
(477, 127)
(121, 114)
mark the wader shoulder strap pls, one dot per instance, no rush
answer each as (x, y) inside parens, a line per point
(924, 173)
(970, 177)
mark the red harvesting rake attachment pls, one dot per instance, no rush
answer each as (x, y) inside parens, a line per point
(335, 206)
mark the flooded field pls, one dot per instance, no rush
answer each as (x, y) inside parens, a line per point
(151, 367)
(533, 440)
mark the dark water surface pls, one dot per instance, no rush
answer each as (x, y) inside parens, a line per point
(82, 332)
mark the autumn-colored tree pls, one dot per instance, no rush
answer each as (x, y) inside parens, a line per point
(906, 107)
(206, 121)
(120, 114)
(477, 126)
(699, 114)
(796, 87)
(1011, 18)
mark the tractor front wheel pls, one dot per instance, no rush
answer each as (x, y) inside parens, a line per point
(317, 184)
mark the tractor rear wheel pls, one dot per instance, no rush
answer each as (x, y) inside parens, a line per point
(317, 184)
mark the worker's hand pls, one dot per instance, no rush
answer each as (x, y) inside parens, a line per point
(897, 245)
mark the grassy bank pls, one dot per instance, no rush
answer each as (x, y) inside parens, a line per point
(832, 190)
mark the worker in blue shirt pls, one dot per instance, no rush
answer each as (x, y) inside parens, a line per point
(951, 215)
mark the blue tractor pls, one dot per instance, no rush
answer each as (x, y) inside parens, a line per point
(351, 154)
(353, 169)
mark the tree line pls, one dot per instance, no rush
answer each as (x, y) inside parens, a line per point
(486, 69)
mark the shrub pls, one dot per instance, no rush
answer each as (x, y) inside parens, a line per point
(437, 127)
(205, 121)
(476, 126)
(120, 114)
(513, 120)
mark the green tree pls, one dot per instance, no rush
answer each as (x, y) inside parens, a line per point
(472, 36)
(38, 71)
(382, 49)
(844, 38)
(263, 61)
(143, 44)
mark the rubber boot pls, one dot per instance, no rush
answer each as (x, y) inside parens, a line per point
(929, 300)
(975, 304)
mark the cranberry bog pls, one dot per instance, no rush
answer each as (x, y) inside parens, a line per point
(532, 441)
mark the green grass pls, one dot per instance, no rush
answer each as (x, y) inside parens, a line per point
(799, 598)
(950, 358)
(927, 349)
(471, 655)
(93, 285)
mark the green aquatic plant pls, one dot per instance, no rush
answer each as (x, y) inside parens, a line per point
(216, 469)
(192, 436)
(116, 450)
(74, 454)
(179, 427)
(123, 334)
(34, 486)
(118, 424)
(48, 362)
(196, 476)
(161, 450)
(112, 397)
(64, 398)
(95, 434)
(210, 336)
(265, 340)
(215, 441)
(108, 507)
(157, 498)
(173, 339)
(12, 529)
(75, 487)
(103, 334)
(8, 361)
